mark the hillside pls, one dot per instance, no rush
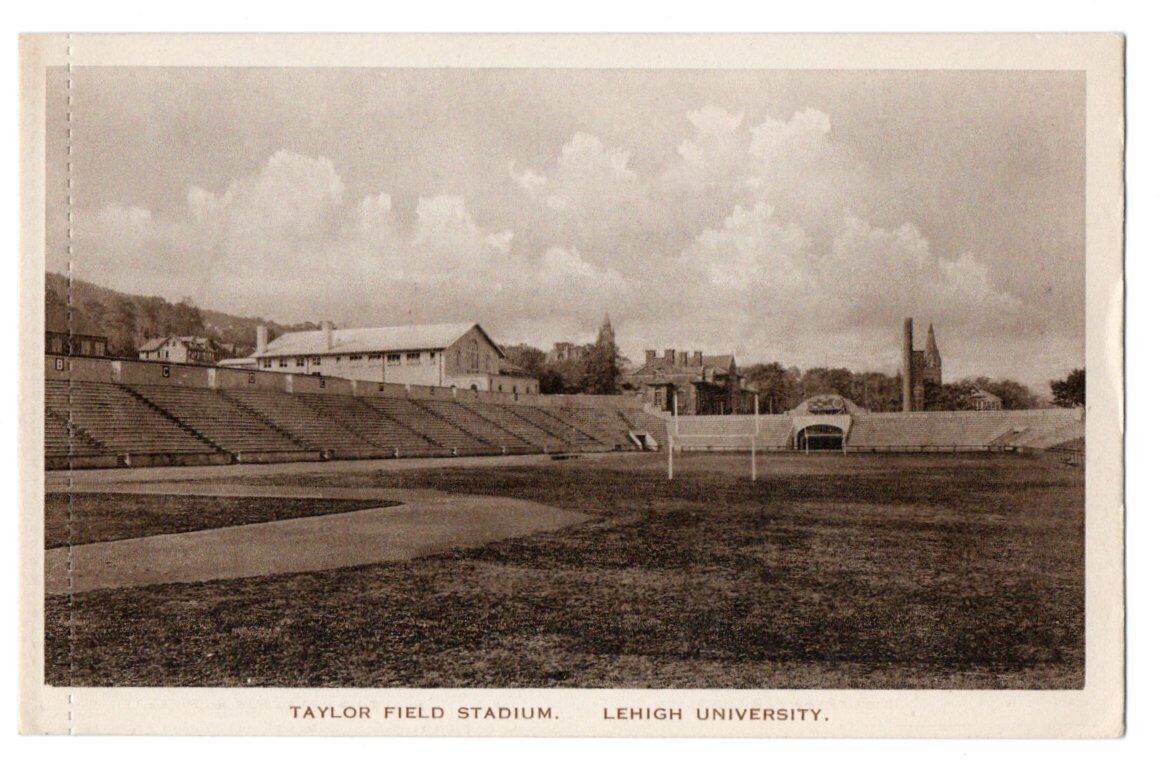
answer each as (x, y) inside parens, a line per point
(128, 320)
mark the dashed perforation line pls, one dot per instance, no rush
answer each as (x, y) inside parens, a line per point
(69, 318)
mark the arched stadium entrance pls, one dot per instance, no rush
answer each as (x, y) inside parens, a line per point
(816, 438)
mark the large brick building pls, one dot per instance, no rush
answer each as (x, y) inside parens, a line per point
(441, 355)
(691, 383)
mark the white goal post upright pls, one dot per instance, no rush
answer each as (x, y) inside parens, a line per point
(672, 433)
(755, 429)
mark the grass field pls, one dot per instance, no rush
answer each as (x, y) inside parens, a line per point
(943, 571)
(82, 518)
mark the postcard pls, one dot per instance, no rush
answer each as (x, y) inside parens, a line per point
(572, 385)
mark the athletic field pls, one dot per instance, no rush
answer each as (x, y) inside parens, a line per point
(830, 571)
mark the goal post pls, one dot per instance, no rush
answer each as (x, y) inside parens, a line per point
(734, 443)
(711, 442)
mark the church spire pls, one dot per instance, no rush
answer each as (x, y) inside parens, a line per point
(931, 358)
(932, 355)
(606, 332)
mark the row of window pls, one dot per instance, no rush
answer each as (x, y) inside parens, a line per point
(502, 389)
(472, 358)
(75, 346)
(390, 359)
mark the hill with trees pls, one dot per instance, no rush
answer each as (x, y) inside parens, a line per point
(129, 320)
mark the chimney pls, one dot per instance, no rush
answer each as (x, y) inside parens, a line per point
(908, 365)
(697, 358)
(649, 356)
(327, 327)
(261, 338)
(669, 355)
(683, 358)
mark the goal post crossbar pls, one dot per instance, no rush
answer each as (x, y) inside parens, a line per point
(674, 435)
(743, 442)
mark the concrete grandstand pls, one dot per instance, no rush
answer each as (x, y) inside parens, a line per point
(1017, 430)
(122, 413)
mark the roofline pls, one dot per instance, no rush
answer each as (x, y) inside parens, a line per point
(335, 352)
(480, 328)
(340, 352)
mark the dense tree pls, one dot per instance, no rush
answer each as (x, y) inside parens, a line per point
(781, 389)
(550, 381)
(1014, 395)
(771, 383)
(594, 369)
(877, 392)
(600, 373)
(1069, 391)
(826, 380)
(529, 358)
(948, 397)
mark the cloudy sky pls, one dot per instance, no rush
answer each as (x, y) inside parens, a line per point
(791, 216)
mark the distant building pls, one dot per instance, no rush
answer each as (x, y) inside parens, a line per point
(985, 401)
(514, 379)
(441, 355)
(691, 383)
(918, 368)
(67, 337)
(567, 351)
(185, 349)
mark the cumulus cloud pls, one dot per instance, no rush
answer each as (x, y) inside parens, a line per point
(286, 242)
(585, 157)
(759, 238)
(792, 140)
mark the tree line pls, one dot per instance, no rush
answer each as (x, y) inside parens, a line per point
(781, 388)
(129, 320)
(594, 370)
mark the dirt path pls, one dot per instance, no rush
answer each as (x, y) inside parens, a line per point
(427, 522)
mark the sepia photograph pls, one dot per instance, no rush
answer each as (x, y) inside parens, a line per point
(563, 377)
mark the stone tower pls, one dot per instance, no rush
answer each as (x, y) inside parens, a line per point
(918, 367)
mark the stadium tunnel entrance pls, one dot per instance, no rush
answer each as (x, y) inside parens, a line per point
(816, 438)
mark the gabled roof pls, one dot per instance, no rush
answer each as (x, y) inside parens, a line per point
(513, 370)
(412, 337)
(189, 341)
(721, 364)
(978, 392)
(153, 344)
